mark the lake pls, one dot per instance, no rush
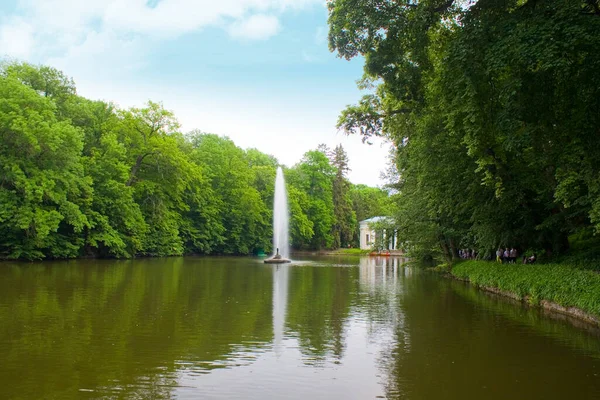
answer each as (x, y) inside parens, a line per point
(235, 328)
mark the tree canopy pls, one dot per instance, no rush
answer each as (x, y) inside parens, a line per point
(493, 109)
(86, 178)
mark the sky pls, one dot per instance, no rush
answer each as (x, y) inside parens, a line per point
(257, 71)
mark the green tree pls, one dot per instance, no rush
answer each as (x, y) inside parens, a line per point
(42, 184)
(369, 201)
(246, 220)
(492, 106)
(314, 176)
(345, 224)
(117, 226)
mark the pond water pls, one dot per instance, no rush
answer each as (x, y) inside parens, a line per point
(235, 328)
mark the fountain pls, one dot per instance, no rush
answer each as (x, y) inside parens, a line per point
(280, 223)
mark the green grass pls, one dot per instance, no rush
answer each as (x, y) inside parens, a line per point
(559, 283)
(351, 252)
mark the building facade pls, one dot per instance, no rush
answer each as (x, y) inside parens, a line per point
(376, 234)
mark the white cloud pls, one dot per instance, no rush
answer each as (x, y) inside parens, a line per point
(101, 35)
(255, 27)
(60, 24)
(104, 55)
(16, 38)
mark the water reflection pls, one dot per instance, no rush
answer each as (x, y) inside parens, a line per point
(468, 352)
(280, 298)
(375, 272)
(126, 325)
(235, 328)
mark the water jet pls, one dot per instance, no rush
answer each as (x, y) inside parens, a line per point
(281, 223)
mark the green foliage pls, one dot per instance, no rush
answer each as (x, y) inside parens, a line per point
(584, 251)
(117, 224)
(301, 227)
(314, 176)
(559, 283)
(492, 107)
(42, 185)
(368, 202)
(245, 218)
(84, 178)
(344, 228)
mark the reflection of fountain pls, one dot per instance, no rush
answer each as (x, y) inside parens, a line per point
(280, 223)
(280, 294)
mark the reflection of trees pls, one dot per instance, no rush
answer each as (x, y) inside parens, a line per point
(133, 326)
(318, 307)
(577, 334)
(322, 300)
(453, 349)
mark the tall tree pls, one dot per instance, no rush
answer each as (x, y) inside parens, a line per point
(492, 106)
(117, 226)
(345, 223)
(314, 176)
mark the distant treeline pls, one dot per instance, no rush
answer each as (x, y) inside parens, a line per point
(494, 109)
(83, 178)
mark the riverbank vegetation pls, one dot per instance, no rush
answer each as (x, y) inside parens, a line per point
(557, 283)
(492, 107)
(85, 178)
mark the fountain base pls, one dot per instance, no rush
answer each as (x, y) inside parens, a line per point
(276, 260)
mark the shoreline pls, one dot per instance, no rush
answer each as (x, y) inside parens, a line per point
(348, 252)
(474, 273)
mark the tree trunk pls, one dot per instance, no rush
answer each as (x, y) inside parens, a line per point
(135, 168)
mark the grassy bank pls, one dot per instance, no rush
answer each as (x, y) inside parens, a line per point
(556, 283)
(336, 252)
(351, 252)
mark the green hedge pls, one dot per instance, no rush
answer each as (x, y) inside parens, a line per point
(559, 283)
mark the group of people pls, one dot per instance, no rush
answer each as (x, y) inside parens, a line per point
(467, 254)
(506, 256)
(509, 256)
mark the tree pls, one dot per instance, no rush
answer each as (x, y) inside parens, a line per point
(345, 223)
(245, 218)
(314, 176)
(492, 106)
(116, 224)
(42, 184)
(85, 178)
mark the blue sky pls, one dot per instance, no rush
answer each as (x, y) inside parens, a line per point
(258, 71)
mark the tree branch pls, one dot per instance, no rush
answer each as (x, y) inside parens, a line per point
(444, 7)
(136, 167)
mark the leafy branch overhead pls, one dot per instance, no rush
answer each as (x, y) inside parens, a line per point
(492, 106)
